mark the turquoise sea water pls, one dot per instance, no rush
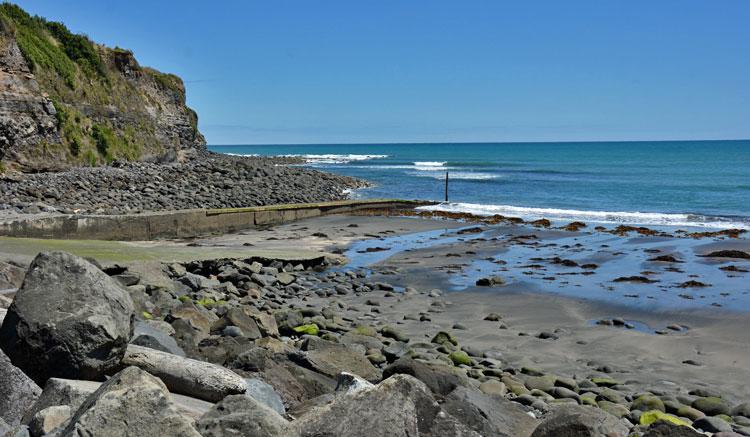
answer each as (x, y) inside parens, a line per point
(673, 183)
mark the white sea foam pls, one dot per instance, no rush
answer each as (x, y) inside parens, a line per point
(400, 167)
(614, 217)
(334, 158)
(242, 154)
(459, 175)
(430, 164)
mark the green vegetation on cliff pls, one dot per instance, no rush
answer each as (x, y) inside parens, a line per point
(107, 106)
(50, 45)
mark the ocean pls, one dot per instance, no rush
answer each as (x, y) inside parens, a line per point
(704, 184)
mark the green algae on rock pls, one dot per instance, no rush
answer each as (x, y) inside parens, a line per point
(310, 329)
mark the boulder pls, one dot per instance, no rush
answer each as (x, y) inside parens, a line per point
(131, 403)
(712, 424)
(287, 320)
(742, 409)
(17, 391)
(73, 393)
(239, 318)
(400, 406)
(266, 322)
(440, 379)
(292, 382)
(146, 335)
(186, 376)
(488, 414)
(459, 358)
(198, 282)
(712, 405)
(11, 276)
(197, 317)
(580, 421)
(58, 391)
(68, 319)
(285, 278)
(48, 419)
(544, 383)
(648, 402)
(445, 339)
(264, 393)
(353, 339)
(349, 383)
(17, 431)
(330, 359)
(493, 387)
(4, 427)
(241, 415)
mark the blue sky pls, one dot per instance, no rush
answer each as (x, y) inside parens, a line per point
(308, 71)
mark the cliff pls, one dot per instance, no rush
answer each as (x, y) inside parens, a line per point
(66, 101)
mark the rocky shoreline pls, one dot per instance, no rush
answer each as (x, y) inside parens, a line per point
(270, 347)
(208, 180)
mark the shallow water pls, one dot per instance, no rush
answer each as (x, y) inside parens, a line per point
(359, 257)
(614, 256)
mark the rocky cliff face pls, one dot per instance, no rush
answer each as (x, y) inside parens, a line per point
(67, 101)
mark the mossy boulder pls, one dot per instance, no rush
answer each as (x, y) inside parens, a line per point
(330, 337)
(648, 402)
(589, 399)
(569, 383)
(607, 394)
(531, 371)
(376, 358)
(712, 406)
(605, 382)
(391, 332)
(689, 412)
(445, 339)
(515, 386)
(366, 330)
(460, 357)
(617, 410)
(652, 416)
(544, 383)
(309, 329)
(562, 401)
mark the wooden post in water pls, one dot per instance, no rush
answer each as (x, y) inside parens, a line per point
(446, 187)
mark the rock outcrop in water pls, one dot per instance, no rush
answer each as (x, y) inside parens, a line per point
(65, 100)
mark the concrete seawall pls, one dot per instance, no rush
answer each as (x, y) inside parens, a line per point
(184, 223)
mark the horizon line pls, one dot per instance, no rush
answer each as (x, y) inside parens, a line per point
(387, 143)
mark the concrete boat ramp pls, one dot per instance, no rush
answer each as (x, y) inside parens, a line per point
(166, 236)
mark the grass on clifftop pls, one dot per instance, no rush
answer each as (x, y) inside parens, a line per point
(60, 53)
